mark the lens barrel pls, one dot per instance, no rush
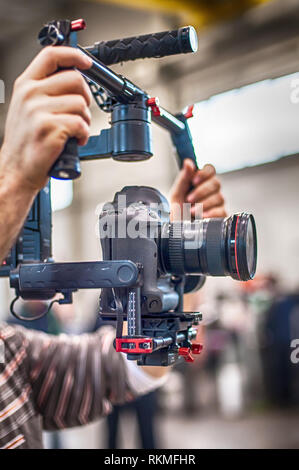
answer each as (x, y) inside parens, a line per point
(215, 247)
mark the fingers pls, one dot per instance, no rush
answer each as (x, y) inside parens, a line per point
(184, 180)
(204, 190)
(214, 213)
(206, 173)
(216, 200)
(50, 59)
(209, 204)
(68, 104)
(64, 83)
(69, 125)
(207, 192)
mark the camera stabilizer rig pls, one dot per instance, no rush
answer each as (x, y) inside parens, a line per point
(131, 109)
(143, 278)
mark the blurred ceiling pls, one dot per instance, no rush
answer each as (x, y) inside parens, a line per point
(199, 13)
(17, 16)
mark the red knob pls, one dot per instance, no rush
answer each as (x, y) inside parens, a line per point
(78, 25)
(186, 353)
(153, 103)
(189, 113)
(196, 348)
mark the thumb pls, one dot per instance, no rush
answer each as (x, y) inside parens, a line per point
(184, 180)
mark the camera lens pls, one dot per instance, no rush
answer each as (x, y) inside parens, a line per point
(215, 247)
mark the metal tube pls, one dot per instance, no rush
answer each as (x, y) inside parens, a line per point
(168, 121)
(102, 75)
(116, 85)
(125, 91)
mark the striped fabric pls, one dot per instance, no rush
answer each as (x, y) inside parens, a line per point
(50, 382)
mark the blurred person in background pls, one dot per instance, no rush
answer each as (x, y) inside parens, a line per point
(278, 326)
(56, 382)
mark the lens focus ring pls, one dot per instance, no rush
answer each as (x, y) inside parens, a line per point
(214, 247)
(176, 248)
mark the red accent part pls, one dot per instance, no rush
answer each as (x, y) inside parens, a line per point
(186, 353)
(154, 104)
(134, 345)
(78, 25)
(236, 254)
(189, 113)
(196, 348)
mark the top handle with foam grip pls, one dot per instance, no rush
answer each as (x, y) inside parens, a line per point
(163, 44)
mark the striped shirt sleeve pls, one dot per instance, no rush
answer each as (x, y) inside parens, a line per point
(76, 379)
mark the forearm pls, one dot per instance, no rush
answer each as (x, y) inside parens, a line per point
(15, 202)
(192, 302)
(77, 379)
(156, 371)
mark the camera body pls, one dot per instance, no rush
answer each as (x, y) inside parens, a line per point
(130, 228)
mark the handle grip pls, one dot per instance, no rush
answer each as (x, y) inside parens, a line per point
(162, 44)
(67, 166)
(81, 275)
(55, 33)
(183, 143)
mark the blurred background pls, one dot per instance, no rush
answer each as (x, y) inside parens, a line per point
(243, 392)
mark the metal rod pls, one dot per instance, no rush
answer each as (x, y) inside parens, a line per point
(102, 75)
(116, 85)
(125, 91)
(168, 121)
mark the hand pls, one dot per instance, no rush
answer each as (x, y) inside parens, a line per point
(198, 186)
(46, 109)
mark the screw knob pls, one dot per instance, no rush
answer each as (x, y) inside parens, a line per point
(50, 36)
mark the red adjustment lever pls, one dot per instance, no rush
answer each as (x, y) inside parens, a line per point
(78, 25)
(196, 348)
(153, 103)
(186, 353)
(189, 113)
(134, 345)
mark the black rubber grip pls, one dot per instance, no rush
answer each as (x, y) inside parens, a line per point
(162, 44)
(81, 275)
(67, 166)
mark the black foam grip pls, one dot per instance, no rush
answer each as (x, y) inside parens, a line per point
(67, 166)
(81, 275)
(148, 45)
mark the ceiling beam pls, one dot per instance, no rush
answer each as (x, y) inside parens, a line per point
(199, 13)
